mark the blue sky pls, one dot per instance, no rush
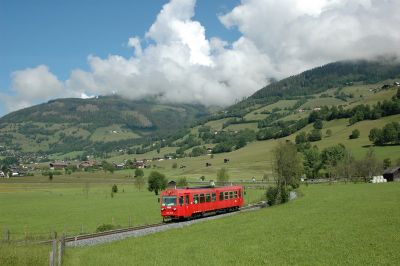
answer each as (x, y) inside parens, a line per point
(61, 34)
(212, 52)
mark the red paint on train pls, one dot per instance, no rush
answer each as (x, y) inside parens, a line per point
(181, 203)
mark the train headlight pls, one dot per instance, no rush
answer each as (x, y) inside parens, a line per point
(174, 209)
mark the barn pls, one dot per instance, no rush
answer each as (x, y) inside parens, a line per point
(392, 174)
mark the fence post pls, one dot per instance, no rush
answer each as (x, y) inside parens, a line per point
(7, 235)
(51, 258)
(26, 232)
(61, 247)
(54, 246)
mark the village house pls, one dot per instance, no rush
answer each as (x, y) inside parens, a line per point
(86, 164)
(58, 165)
(119, 166)
(2, 175)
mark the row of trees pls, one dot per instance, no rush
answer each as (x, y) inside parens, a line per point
(335, 162)
(389, 134)
(359, 112)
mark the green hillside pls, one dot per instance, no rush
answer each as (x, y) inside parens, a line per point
(112, 126)
(65, 125)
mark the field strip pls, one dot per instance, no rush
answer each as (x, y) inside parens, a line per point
(146, 231)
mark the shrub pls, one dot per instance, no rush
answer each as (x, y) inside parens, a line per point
(174, 165)
(114, 188)
(105, 227)
(314, 135)
(355, 134)
(277, 195)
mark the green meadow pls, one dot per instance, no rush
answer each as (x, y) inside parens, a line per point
(35, 210)
(342, 224)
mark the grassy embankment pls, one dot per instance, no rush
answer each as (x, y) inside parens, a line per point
(353, 224)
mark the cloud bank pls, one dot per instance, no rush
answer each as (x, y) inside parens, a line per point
(179, 64)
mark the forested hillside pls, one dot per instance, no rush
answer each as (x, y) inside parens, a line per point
(65, 125)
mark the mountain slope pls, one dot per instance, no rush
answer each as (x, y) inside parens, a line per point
(320, 79)
(63, 125)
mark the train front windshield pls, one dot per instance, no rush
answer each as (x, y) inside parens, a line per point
(169, 201)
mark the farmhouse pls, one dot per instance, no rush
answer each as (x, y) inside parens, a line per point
(392, 174)
(119, 166)
(2, 175)
(58, 165)
(86, 164)
(141, 164)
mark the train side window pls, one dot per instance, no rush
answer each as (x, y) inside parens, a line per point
(235, 194)
(226, 195)
(187, 199)
(202, 198)
(221, 196)
(208, 198)
(214, 197)
(230, 194)
(195, 198)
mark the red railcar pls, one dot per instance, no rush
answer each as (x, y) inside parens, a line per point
(183, 203)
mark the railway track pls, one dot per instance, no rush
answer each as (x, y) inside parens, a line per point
(111, 232)
(118, 234)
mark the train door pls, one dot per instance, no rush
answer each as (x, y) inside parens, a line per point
(187, 206)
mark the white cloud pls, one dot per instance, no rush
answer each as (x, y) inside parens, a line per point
(298, 34)
(32, 85)
(179, 64)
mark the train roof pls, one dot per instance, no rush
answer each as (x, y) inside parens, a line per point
(203, 187)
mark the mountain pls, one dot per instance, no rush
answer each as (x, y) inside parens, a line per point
(65, 125)
(111, 124)
(320, 79)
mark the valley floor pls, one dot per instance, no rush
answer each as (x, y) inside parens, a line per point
(342, 224)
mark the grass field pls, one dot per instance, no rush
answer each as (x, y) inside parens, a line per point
(319, 102)
(112, 133)
(35, 210)
(352, 224)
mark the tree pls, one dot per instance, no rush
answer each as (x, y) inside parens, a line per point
(331, 156)
(241, 142)
(312, 162)
(376, 136)
(139, 172)
(222, 176)
(390, 133)
(368, 166)
(314, 135)
(318, 124)
(174, 165)
(50, 176)
(301, 137)
(108, 166)
(287, 164)
(156, 182)
(345, 167)
(139, 181)
(355, 134)
(182, 182)
(287, 167)
(387, 163)
(114, 188)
